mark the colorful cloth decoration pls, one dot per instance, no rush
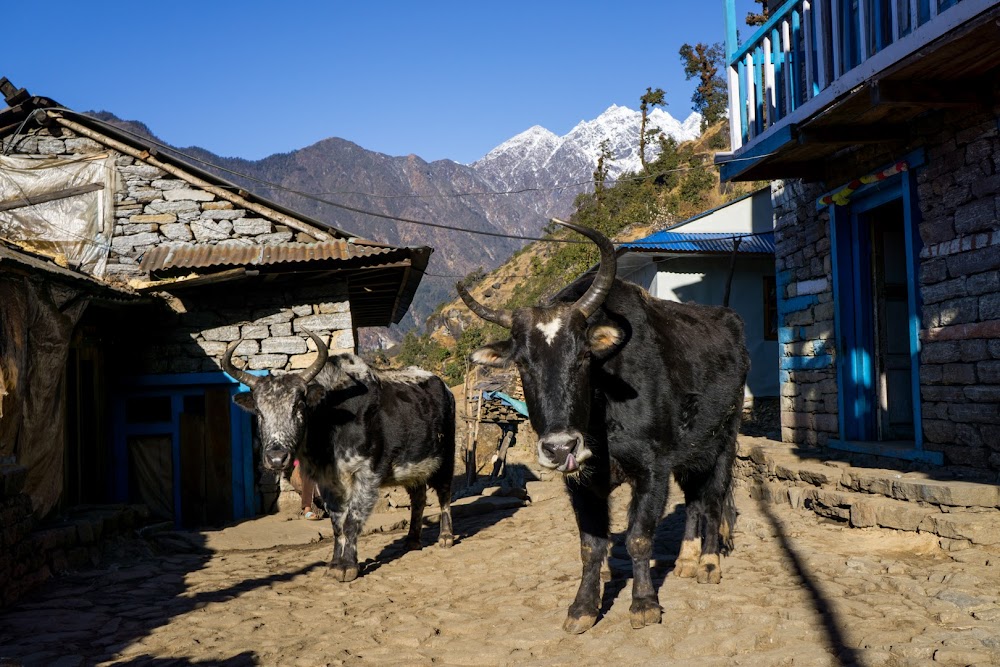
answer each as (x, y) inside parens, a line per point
(843, 196)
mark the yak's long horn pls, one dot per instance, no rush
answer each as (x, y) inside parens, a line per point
(241, 375)
(501, 317)
(323, 353)
(598, 291)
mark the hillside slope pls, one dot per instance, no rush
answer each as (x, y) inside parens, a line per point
(681, 183)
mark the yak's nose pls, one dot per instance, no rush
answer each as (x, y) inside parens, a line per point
(276, 458)
(559, 448)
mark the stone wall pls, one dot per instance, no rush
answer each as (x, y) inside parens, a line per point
(194, 333)
(959, 195)
(958, 191)
(153, 208)
(806, 335)
(31, 552)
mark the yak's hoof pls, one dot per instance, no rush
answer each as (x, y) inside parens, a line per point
(709, 573)
(413, 544)
(576, 625)
(710, 569)
(685, 568)
(644, 612)
(446, 541)
(344, 574)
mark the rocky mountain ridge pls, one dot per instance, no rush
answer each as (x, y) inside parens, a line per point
(514, 190)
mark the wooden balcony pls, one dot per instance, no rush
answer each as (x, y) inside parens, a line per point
(822, 75)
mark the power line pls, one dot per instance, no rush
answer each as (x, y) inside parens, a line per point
(319, 199)
(354, 209)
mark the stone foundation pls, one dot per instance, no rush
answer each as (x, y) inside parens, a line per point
(32, 552)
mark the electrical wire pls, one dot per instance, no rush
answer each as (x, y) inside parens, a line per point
(338, 205)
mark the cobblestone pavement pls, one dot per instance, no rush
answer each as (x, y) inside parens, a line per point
(797, 590)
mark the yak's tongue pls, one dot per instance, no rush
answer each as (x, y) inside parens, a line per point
(571, 463)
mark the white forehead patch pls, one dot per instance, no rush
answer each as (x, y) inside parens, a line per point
(550, 329)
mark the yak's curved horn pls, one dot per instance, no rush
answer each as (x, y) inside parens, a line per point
(241, 375)
(502, 317)
(323, 353)
(598, 291)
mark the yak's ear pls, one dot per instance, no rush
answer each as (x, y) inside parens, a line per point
(604, 338)
(315, 394)
(244, 399)
(494, 354)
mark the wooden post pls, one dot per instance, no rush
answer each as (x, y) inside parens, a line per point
(470, 462)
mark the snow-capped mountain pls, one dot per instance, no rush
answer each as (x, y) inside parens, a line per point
(562, 167)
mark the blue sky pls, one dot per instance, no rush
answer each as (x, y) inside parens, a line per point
(436, 79)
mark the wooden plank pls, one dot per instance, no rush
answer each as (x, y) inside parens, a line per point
(854, 134)
(897, 25)
(789, 67)
(735, 131)
(192, 472)
(863, 23)
(768, 66)
(822, 39)
(33, 200)
(836, 41)
(751, 98)
(929, 94)
(218, 457)
(808, 25)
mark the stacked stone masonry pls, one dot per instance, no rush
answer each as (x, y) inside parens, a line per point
(960, 512)
(805, 307)
(31, 552)
(153, 208)
(958, 194)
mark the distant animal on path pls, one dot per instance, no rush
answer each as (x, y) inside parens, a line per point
(622, 386)
(355, 430)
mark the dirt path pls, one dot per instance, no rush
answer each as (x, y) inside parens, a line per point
(794, 592)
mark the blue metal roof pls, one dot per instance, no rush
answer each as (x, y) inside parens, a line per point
(704, 242)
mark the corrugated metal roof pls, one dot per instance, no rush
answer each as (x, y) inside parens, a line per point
(205, 256)
(706, 242)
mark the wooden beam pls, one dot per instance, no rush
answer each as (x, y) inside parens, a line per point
(929, 94)
(812, 170)
(12, 95)
(31, 200)
(192, 280)
(853, 134)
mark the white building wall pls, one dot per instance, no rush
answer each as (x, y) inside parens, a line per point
(752, 214)
(701, 279)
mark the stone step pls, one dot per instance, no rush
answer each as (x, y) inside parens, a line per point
(781, 462)
(961, 513)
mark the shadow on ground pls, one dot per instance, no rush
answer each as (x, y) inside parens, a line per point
(140, 586)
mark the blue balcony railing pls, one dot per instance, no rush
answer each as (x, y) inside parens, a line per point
(811, 51)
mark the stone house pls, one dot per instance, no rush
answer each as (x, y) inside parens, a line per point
(692, 261)
(877, 125)
(130, 269)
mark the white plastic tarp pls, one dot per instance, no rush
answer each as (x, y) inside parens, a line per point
(60, 206)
